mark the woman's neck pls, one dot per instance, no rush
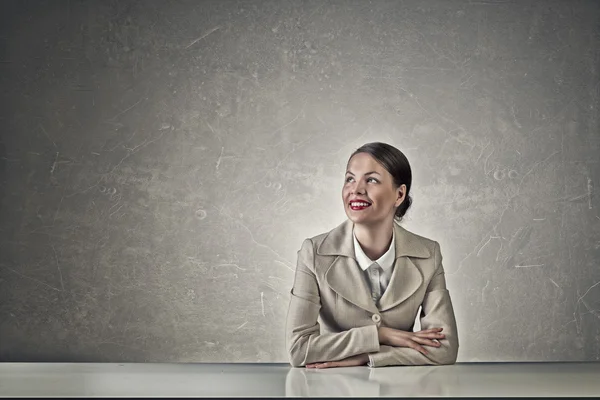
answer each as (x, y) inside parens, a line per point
(374, 239)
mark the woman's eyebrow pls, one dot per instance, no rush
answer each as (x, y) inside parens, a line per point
(367, 173)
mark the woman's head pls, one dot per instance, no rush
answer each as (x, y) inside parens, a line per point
(378, 174)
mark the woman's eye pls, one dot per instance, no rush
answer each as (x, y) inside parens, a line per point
(369, 179)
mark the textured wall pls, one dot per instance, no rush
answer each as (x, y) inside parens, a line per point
(162, 161)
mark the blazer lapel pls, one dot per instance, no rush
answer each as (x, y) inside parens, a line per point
(405, 281)
(406, 277)
(346, 278)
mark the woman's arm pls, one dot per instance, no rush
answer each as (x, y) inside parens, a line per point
(437, 312)
(305, 343)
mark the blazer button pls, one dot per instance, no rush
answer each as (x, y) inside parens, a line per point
(376, 318)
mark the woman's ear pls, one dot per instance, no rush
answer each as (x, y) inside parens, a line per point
(401, 194)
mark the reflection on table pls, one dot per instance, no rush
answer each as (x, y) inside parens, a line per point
(369, 382)
(482, 380)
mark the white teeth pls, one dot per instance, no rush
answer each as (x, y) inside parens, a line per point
(359, 204)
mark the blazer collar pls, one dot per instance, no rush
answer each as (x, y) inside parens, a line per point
(386, 261)
(346, 278)
(339, 241)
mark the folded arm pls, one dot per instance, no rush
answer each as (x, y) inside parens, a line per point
(305, 343)
(437, 312)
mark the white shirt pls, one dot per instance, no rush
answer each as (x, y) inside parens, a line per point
(379, 279)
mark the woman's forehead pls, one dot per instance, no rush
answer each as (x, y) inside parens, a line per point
(363, 162)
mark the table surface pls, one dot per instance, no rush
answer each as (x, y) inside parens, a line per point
(248, 380)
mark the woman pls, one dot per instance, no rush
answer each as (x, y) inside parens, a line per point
(367, 278)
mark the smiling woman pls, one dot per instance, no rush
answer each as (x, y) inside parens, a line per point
(367, 278)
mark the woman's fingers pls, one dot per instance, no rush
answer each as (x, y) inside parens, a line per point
(431, 330)
(330, 364)
(432, 335)
(416, 340)
(318, 365)
(426, 342)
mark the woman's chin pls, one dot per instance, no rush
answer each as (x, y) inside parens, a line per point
(357, 219)
(364, 219)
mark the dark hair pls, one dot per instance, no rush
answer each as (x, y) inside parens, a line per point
(396, 163)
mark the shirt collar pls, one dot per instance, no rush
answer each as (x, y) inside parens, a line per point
(386, 261)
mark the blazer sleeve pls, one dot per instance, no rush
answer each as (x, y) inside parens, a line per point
(437, 312)
(304, 341)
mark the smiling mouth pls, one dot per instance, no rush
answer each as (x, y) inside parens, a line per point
(359, 205)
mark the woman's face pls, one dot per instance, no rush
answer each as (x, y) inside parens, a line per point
(369, 183)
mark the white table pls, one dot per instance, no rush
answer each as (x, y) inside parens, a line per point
(246, 380)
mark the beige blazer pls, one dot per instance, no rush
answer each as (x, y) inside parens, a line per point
(331, 315)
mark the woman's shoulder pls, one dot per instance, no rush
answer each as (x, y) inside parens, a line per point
(421, 246)
(318, 239)
(416, 237)
(339, 232)
(332, 241)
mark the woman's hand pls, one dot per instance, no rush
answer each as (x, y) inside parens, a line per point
(414, 340)
(353, 361)
(390, 337)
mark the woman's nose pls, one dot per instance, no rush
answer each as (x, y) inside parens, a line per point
(359, 188)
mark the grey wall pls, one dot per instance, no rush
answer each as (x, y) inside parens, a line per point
(162, 161)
